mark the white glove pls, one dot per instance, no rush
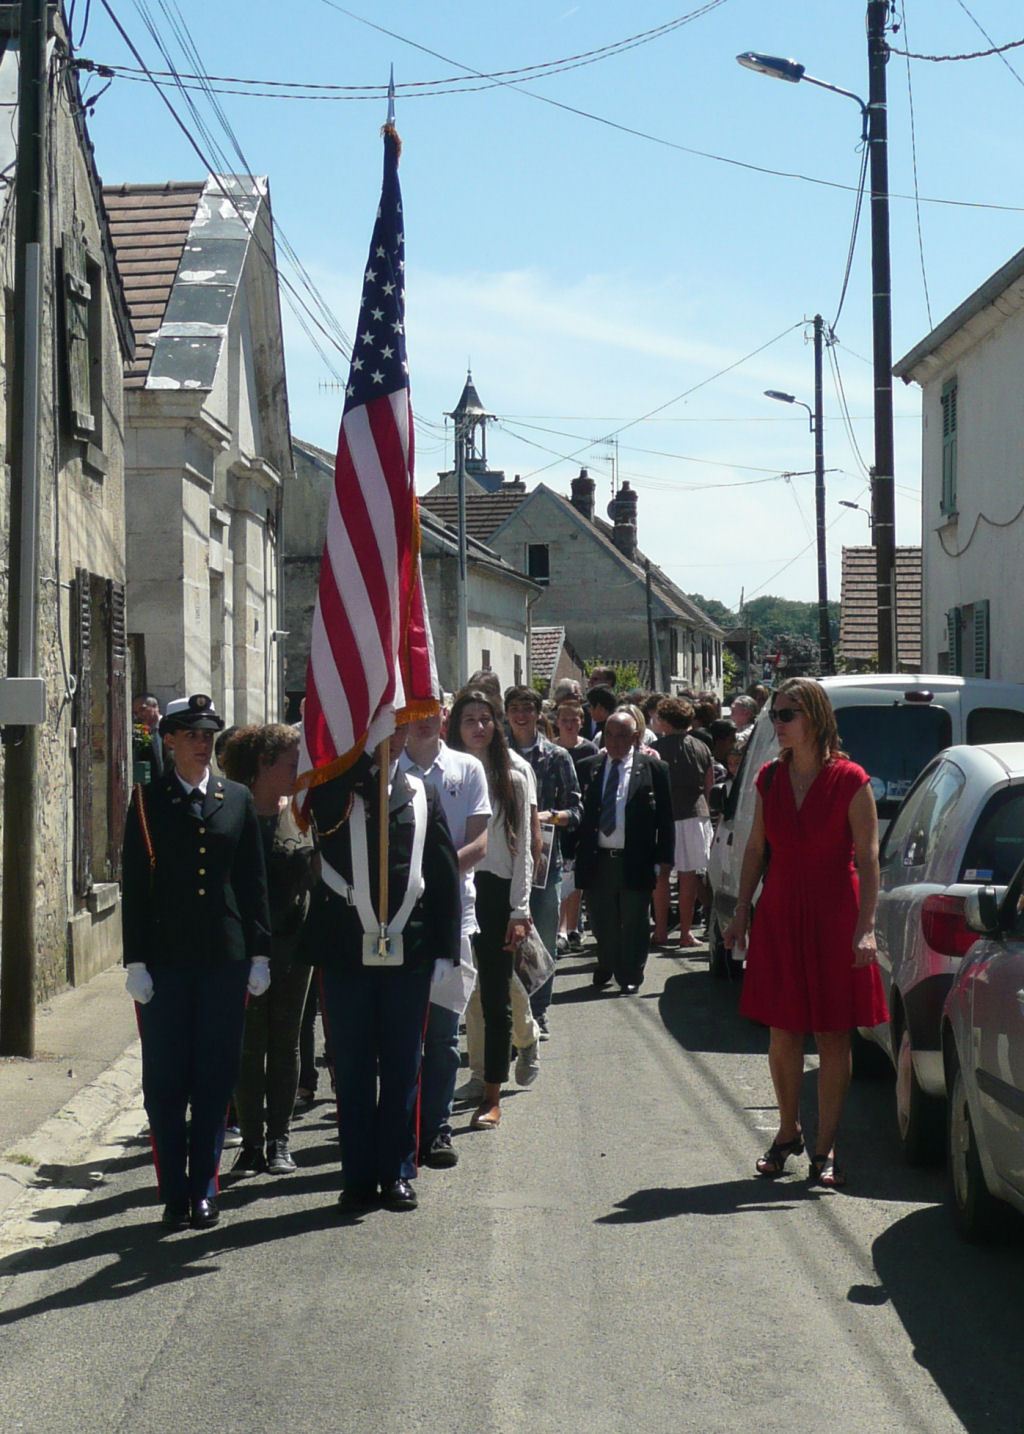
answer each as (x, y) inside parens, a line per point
(138, 982)
(259, 975)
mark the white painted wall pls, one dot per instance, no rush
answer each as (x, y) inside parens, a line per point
(977, 555)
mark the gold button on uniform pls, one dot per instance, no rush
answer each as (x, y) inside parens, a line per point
(202, 871)
(202, 892)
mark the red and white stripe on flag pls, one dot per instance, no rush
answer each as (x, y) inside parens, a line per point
(371, 662)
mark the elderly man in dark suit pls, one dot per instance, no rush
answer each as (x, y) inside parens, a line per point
(626, 833)
(195, 927)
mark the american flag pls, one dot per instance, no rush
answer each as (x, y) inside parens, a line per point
(371, 655)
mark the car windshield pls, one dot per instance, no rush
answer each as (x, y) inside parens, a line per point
(892, 744)
(996, 847)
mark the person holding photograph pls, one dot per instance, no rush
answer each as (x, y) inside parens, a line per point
(502, 885)
(560, 806)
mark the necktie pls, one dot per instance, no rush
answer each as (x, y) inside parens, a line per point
(609, 797)
(195, 801)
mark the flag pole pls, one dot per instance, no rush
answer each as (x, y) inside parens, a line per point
(384, 750)
(383, 762)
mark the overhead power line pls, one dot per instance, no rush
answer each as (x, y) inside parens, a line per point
(411, 89)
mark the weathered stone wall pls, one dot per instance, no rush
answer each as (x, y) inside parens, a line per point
(81, 524)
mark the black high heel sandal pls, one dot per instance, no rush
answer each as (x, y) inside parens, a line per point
(773, 1162)
(825, 1172)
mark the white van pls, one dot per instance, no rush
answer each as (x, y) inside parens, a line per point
(892, 725)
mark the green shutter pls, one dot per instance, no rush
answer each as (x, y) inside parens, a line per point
(981, 639)
(953, 640)
(948, 500)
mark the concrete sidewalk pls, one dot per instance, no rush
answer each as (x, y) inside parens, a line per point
(70, 1108)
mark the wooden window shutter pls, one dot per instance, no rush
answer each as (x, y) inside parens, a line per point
(981, 639)
(82, 770)
(953, 640)
(117, 725)
(77, 296)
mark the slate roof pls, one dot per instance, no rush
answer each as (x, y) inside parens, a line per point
(181, 249)
(858, 622)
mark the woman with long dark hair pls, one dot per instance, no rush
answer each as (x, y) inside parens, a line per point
(812, 964)
(502, 884)
(265, 759)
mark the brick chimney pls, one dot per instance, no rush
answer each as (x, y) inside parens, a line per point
(582, 496)
(622, 511)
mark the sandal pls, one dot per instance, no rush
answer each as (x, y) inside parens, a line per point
(825, 1172)
(773, 1162)
(486, 1116)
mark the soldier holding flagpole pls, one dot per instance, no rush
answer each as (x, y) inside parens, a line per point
(388, 896)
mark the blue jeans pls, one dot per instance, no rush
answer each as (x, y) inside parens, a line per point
(545, 903)
(440, 1070)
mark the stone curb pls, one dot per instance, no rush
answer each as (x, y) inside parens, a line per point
(59, 1164)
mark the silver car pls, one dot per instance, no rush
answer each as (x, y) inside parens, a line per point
(983, 1054)
(960, 827)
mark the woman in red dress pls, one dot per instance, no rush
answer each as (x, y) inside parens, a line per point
(812, 963)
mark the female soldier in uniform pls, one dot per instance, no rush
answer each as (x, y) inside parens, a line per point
(196, 934)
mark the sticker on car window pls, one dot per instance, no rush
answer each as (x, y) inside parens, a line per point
(897, 790)
(978, 873)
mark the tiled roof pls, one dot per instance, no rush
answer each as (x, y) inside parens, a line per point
(485, 512)
(545, 648)
(858, 623)
(150, 225)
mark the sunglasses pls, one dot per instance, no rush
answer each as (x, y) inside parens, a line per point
(786, 714)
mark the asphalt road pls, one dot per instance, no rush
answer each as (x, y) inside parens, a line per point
(605, 1262)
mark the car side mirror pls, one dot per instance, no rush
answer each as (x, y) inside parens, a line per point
(981, 909)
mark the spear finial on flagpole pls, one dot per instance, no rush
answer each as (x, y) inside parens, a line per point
(391, 98)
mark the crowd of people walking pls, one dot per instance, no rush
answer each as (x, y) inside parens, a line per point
(506, 818)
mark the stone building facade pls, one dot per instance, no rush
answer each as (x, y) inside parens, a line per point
(82, 773)
(499, 598)
(208, 449)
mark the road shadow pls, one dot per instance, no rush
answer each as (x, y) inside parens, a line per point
(136, 1257)
(727, 1197)
(701, 1015)
(960, 1305)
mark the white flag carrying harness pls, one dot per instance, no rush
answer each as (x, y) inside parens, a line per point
(357, 893)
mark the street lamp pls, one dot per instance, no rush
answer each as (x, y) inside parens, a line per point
(875, 132)
(816, 419)
(859, 508)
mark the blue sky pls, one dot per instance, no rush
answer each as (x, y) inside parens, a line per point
(590, 275)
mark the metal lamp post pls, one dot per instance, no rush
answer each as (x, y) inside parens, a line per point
(816, 419)
(875, 133)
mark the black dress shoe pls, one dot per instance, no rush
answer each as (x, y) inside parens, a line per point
(175, 1216)
(600, 979)
(399, 1195)
(357, 1199)
(629, 989)
(205, 1214)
